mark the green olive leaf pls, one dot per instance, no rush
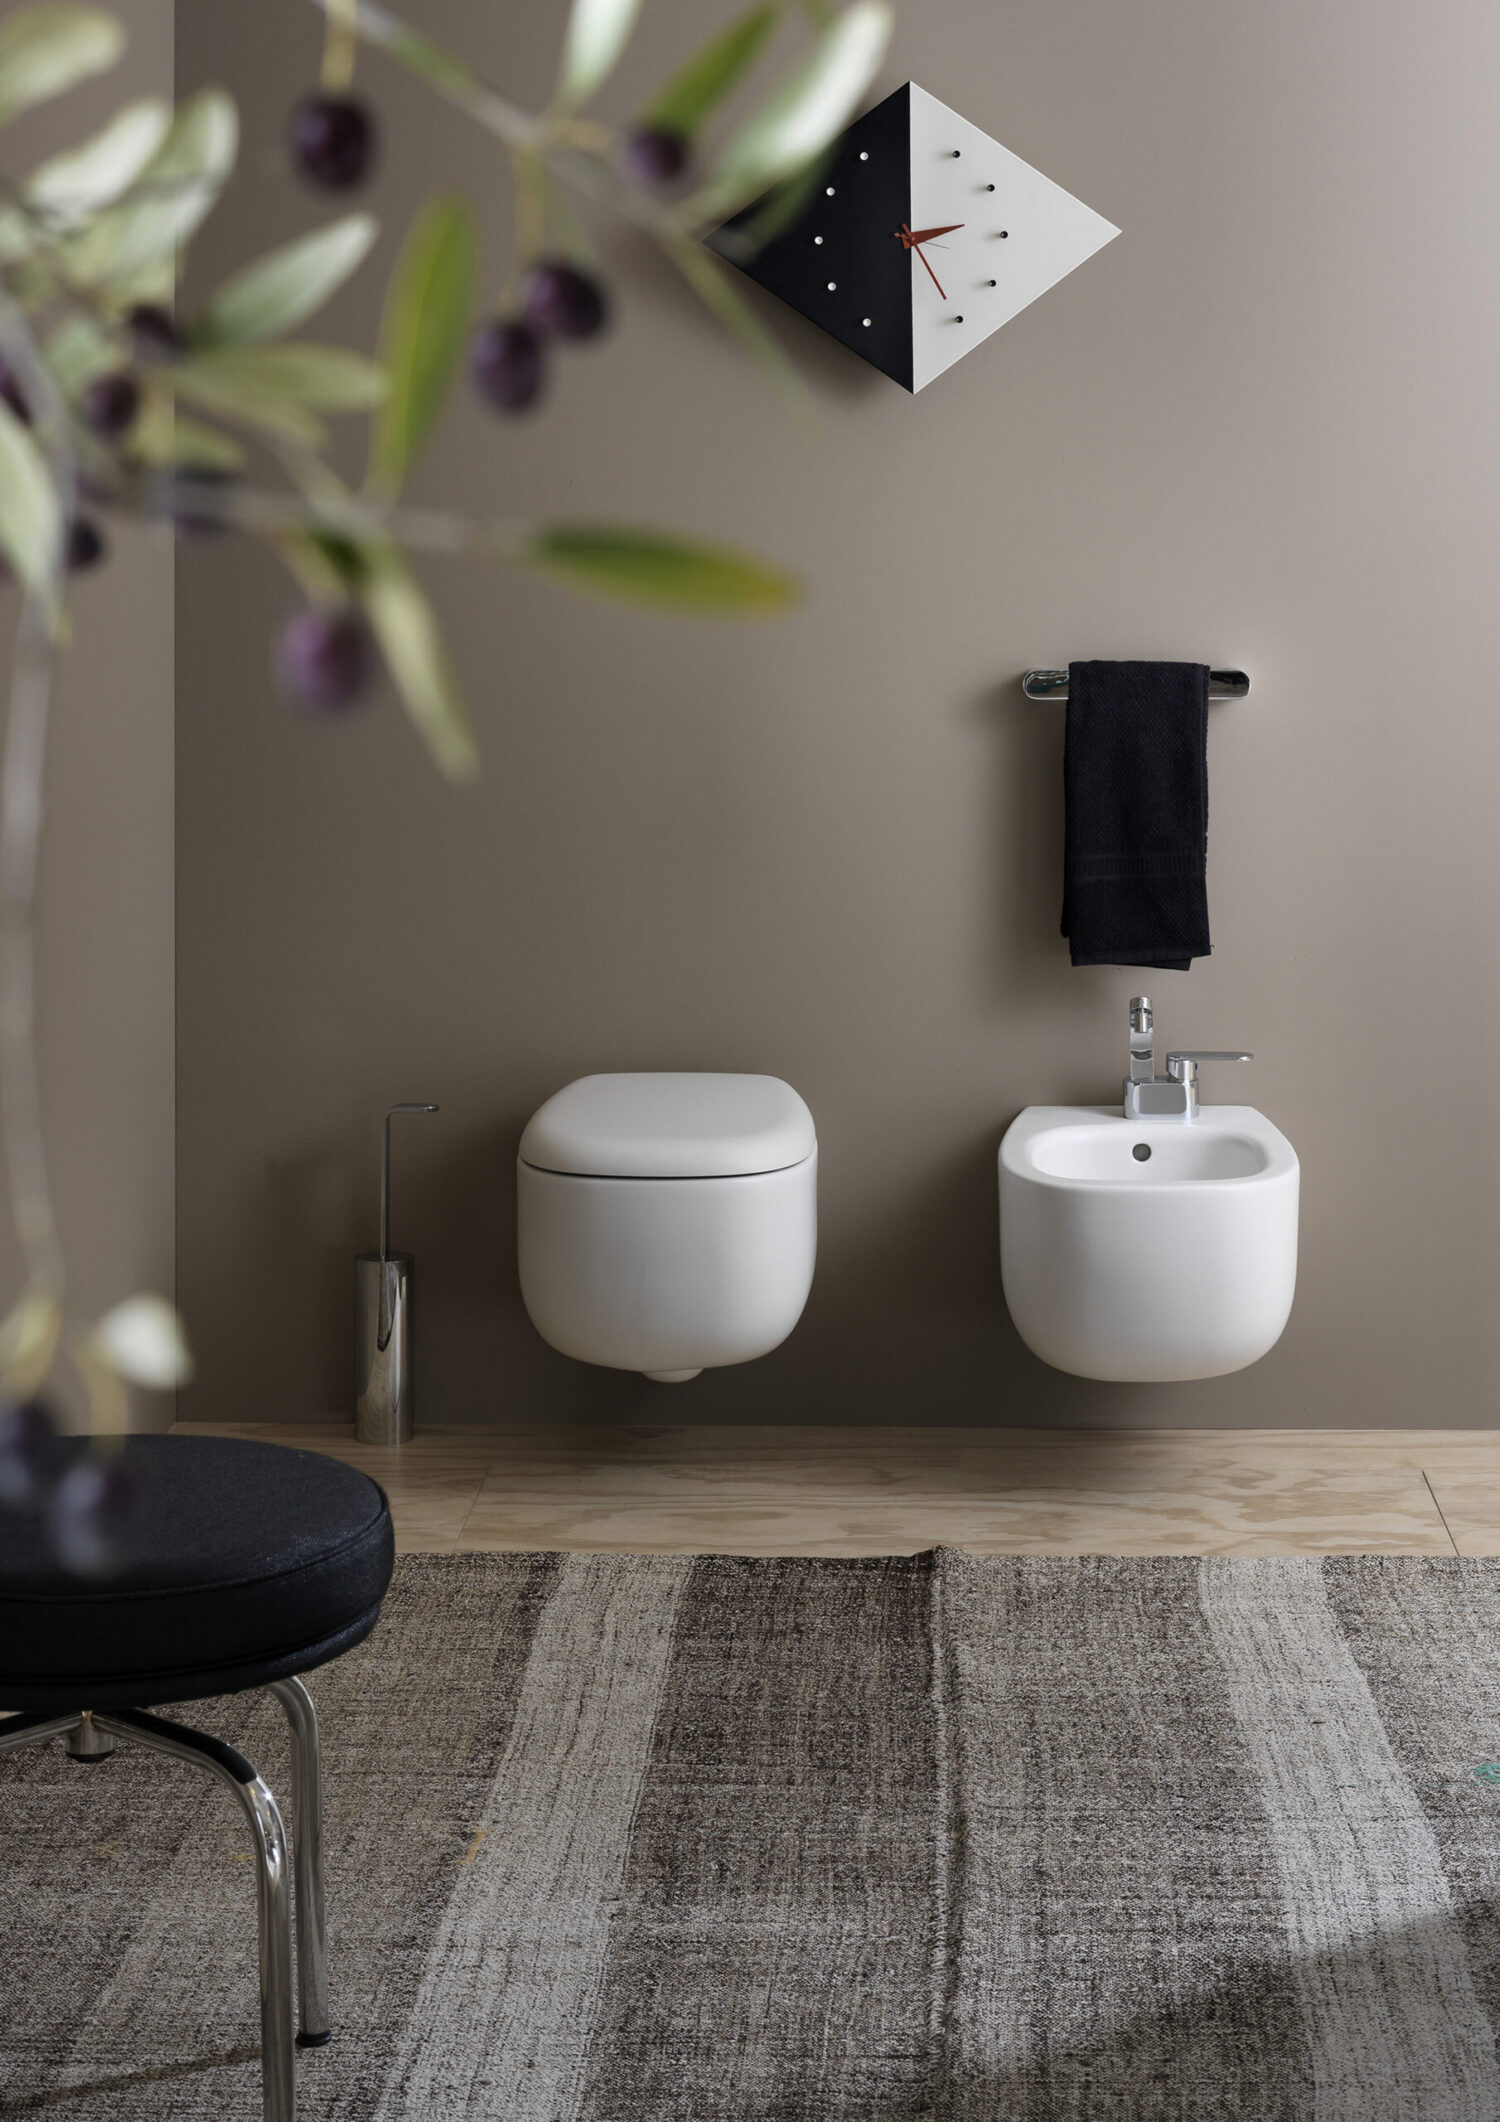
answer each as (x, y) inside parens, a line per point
(134, 246)
(163, 437)
(330, 568)
(198, 448)
(698, 88)
(77, 351)
(294, 372)
(422, 332)
(715, 289)
(406, 627)
(44, 50)
(418, 54)
(226, 391)
(69, 187)
(598, 31)
(813, 103)
(783, 205)
(30, 518)
(660, 569)
(279, 291)
(28, 1342)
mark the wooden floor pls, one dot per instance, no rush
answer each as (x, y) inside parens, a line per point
(768, 1491)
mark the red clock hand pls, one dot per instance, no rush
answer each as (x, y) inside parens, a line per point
(932, 276)
(925, 235)
(911, 243)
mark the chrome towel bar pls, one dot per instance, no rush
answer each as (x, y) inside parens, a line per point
(1053, 685)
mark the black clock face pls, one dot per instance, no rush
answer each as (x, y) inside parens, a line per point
(842, 262)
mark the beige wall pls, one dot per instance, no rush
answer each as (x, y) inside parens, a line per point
(1259, 429)
(105, 917)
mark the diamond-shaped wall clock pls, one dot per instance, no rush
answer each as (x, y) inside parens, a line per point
(921, 236)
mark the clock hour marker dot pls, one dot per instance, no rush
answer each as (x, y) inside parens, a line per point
(817, 239)
(989, 283)
(958, 320)
(829, 193)
(956, 153)
(989, 187)
(865, 321)
(832, 286)
(1003, 234)
(863, 156)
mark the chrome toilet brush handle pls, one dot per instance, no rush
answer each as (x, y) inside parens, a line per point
(383, 1287)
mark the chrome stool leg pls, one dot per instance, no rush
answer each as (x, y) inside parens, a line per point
(36, 1725)
(92, 1734)
(273, 1896)
(88, 1744)
(307, 1853)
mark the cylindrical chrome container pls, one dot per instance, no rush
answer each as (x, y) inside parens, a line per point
(383, 1381)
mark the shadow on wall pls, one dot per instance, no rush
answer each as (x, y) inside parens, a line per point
(478, 1358)
(933, 1252)
(934, 1255)
(1026, 953)
(455, 1210)
(931, 1255)
(823, 365)
(906, 1321)
(303, 1215)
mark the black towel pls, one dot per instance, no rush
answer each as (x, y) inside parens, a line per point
(1135, 784)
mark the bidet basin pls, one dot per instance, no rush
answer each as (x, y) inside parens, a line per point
(1148, 1250)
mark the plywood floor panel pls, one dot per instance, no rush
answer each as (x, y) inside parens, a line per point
(781, 1490)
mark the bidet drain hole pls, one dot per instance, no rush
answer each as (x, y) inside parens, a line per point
(1141, 1152)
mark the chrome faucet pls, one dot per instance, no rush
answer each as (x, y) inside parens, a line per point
(1173, 1096)
(1142, 1040)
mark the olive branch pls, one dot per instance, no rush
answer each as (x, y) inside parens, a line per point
(116, 407)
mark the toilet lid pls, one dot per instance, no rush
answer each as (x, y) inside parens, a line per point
(670, 1127)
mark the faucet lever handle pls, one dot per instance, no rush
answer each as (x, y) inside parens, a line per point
(1183, 1068)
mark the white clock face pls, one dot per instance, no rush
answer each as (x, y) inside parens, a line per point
(1019, 235)
(923, 237)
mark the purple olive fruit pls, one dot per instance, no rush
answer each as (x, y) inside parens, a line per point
(31, 1454)
(333, 141)
(561, 299)
(154, 331)
(86, 546)
(94, 1512)
(324, 659)
(507, 363)
(110, 403)
(654, 154)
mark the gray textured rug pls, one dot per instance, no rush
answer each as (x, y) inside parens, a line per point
(620, 1839)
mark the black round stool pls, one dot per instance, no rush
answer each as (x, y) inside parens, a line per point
(250, 1564)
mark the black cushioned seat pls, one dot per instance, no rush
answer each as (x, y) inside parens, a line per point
(248, 1563)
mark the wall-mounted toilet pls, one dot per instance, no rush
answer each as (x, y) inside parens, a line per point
(668, 1223)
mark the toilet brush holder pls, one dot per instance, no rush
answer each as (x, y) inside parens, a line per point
(384, 1378)
(382, 1348)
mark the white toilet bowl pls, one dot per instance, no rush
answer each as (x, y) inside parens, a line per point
(668, 1223)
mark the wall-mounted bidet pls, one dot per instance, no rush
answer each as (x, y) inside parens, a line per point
(668, 1223)
(1153, 1242)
